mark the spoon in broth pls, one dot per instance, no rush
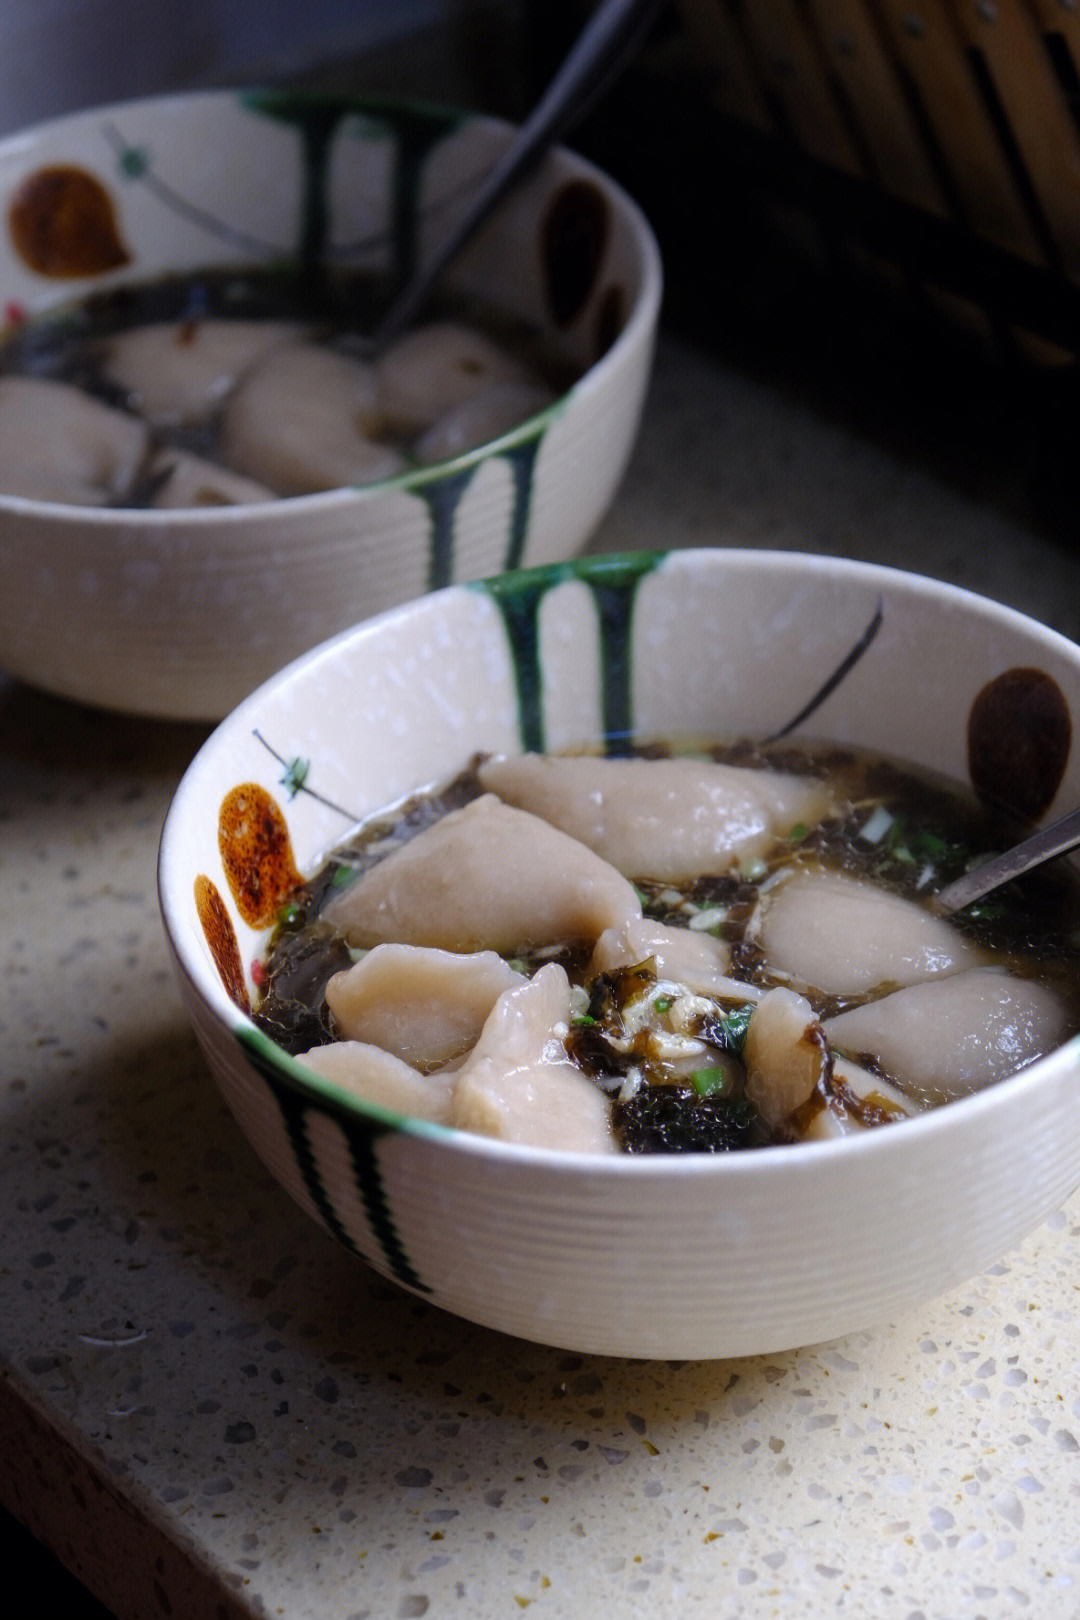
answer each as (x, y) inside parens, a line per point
(604, 45)
(1049, 842)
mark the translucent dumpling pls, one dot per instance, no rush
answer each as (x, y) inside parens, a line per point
(179, 479)
(378, 1077)
(844, 936)
(785, 1054)
(177, 372)
(485, 416)
(698, 961)
(426, 1006)
(438, 368)
(856, 1100)
(307, 419)
(59, 444)
(486, 877)
(518, 1083)
(668, 819)
(954, 1035)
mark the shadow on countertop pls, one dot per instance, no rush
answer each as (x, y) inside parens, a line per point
(34, 1569)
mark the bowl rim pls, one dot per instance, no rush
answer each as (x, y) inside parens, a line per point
(801, 1157)
(641, 321)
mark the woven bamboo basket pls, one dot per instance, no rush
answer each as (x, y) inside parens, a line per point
(952, 126)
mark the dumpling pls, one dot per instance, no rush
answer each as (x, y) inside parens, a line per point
(785, 1053)
(951, 1036)
(698, 961)
(485, 416)
(844, 936)
(307, 419)
(667, 819)
(59, 444)
(437, 368)
(856, 1100)
(182, 480)
(178, 372)
(486, 877)
(518, 1084)
(381, 1078)
(426, 1006)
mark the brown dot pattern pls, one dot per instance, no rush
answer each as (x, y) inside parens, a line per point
(1019, 737)
(256, 852)
(221, 938)
(63, 224)
(574, 234)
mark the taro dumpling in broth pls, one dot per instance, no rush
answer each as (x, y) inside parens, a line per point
(437, 368)
(59, 444)
(178, 372)
(307, 419)
(177, 479)
(844, 936)
(426, 1006)
(381, 1078)
(518, 1084)
(485, 416)
(858, 1100)
(954, 1035)
(667, 819)
(698, 961)
(486, 877)
(785, 1054)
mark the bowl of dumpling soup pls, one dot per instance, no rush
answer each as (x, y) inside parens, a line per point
(204, 469)
(566, 944)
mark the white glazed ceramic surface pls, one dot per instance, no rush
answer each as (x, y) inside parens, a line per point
(694, 1256)
(180, 613)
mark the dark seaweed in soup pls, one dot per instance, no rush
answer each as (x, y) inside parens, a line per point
(631, 1026)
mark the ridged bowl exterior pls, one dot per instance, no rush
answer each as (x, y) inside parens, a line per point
(666, 1257)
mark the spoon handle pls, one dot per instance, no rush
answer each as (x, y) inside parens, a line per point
(613, 30)
(1057, 839)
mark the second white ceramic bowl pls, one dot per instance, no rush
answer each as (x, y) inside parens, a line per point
(181, 612)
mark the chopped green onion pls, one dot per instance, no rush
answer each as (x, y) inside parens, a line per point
(662, 1004)
(710, 1082)
(798, 832)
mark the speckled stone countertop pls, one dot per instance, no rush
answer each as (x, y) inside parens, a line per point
(208, 1408)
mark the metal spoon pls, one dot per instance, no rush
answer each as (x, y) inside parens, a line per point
(604, 44)
(1057, 839)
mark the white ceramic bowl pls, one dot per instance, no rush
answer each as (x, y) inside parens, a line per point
(694, 1256)
(180, 613)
